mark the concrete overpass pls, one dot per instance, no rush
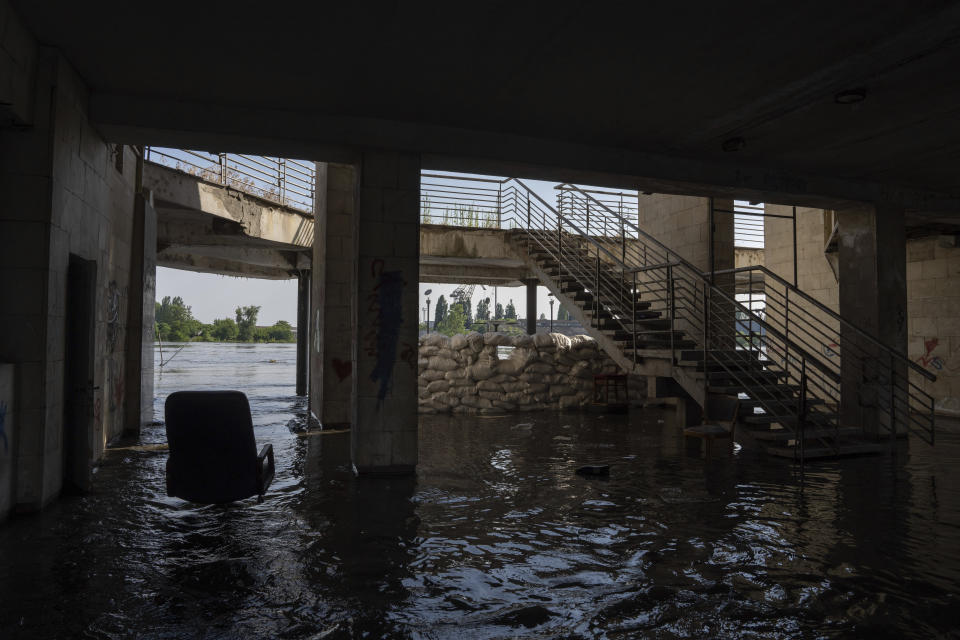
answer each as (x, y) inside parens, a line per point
(212, 228)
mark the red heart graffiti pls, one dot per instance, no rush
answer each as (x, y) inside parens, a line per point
(342, 368)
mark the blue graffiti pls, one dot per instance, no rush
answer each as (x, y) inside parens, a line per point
(3, 428)
(388, 305)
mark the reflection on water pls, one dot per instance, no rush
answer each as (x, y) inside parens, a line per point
(495, 537)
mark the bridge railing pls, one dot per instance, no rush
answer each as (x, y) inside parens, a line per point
(285, 181)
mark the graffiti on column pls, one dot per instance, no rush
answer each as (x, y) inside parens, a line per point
(929, 360)
(385, 305)
(342, 368)
(113, 313)
(831, 350)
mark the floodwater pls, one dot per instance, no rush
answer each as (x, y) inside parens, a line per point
(495, 537)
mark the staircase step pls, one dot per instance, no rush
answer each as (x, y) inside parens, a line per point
(785, 435)
(746, 377)
(812, 453)
(643, 345)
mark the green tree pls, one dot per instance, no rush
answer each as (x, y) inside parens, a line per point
(453, 322)
(281, 332)
(511, 313)
(176, 320)
(483, 310)
(499, 314)
(225, 330)
(441, 312)
(247, 322)
(562, 313)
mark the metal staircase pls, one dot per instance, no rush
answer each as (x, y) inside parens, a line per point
(655, 313)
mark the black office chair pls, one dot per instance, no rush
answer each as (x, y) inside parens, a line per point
(213, 454)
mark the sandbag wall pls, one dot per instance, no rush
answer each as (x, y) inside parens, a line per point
(464, 374)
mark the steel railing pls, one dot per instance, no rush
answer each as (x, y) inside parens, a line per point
(285, 181)
(785, 350)
(796, 341)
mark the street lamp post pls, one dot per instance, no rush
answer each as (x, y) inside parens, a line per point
(427, 293)
(551, 312)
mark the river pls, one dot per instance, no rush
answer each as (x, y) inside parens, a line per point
(495, 537)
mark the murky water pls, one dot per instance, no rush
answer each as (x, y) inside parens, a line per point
(495, 537)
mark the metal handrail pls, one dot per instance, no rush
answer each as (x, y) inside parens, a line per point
(767, 273)
(289, 183)
(792, 350)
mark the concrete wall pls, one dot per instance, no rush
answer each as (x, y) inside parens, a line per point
(933, 295)
(682, 223)
(62, 192)
(933, 303)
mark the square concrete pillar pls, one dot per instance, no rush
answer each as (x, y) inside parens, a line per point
(873, 298)
(140, 320)
(384, 432)
(303, 330)
(332, 299)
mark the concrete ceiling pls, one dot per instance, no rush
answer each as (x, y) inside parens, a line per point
(649, 89)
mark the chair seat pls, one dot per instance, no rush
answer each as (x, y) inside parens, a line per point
(707, 431)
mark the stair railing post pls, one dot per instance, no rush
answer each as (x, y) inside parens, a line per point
(786, 331)
(588, 218)
(222, 160)
(802, 408)
(282, 178)
(633, 301)
(673, 354)
(559, 244)
(706, 325)
(528, 210)
(893, 407)
(499, 207)
(596, 293)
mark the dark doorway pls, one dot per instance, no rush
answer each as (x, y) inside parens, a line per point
(78, 405)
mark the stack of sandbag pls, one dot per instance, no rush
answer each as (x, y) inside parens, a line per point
(470, 374)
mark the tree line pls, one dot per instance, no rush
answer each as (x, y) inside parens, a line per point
(454, 317)
(175, 323)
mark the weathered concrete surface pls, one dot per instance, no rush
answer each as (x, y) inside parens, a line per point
(216, 229)
(384, 431)
(873, 297)
(140, 316)
(66, 193)
(333, 299)
(464, 255)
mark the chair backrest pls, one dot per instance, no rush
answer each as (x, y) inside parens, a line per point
(213, 454)
(721, 409)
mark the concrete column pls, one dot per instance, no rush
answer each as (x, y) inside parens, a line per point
(384, 432)
(332, 298)
(303, 331)
(532, 306)
(140, 316)
(873, 297)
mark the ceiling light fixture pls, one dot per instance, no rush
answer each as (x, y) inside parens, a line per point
(851, 96)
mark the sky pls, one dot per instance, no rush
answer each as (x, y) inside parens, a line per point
(211, 296)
